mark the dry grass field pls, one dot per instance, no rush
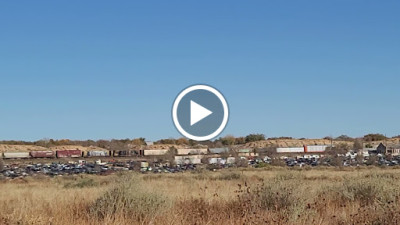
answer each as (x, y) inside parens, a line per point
(252, 196)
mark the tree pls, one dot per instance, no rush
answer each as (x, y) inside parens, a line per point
(1, 165)
(138, 141)
(338, 149)
(228, 140)
(344, 137)
(374, 137)
(280, 138)
(357, 144)
(269, 151)
(241, 162)
(192, 142)
(372, 160)
(170, 155)
(169, 141)
(218, 144)
(100, 143)
(368, 145)
(240, 141)
(254, 137)
(359, 159)
(118, 145)
(182, 141)
(277, 162)
(337, 161)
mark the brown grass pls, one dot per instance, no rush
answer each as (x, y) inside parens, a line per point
(273, 196)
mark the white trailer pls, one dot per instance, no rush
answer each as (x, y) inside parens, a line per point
(290, 150)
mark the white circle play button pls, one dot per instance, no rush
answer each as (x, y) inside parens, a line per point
(200, 112)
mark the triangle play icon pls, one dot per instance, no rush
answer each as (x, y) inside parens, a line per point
(197, 113)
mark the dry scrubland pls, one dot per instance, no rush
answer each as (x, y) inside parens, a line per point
(270, 196)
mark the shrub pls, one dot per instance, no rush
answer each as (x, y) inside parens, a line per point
(278, 162)
(374, 137)
(81, 183)
(262, 165)
(276, 196)
(280, 196)
(229, 176)
(128, 199)
(254, 137)
(367, 191)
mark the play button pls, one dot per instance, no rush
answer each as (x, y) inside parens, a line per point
(197, 113)
(200, 112)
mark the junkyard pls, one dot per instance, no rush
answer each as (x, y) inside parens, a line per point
(286, 195)
(294, 182)
(103, 167)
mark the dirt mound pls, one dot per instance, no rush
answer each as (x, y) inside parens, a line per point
(390, 141)
(77, 147)
(282, 143)
(168, 146)
(29, 148)
(20, 148)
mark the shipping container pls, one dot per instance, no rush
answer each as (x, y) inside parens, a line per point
(245, 150)
(125, 153)
(16, 155)
(97, 153)
(155, 152)
(69, 153)
(42, 154)
(290, 150)
(187, 151)
(218, 150)
(315, 148)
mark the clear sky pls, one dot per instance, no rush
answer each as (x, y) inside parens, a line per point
(111, 69)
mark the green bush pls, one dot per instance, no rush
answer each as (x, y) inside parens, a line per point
(254, 137)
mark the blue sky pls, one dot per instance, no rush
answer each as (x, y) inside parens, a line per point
(101, 69)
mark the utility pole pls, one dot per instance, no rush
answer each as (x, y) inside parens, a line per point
(386, 146)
